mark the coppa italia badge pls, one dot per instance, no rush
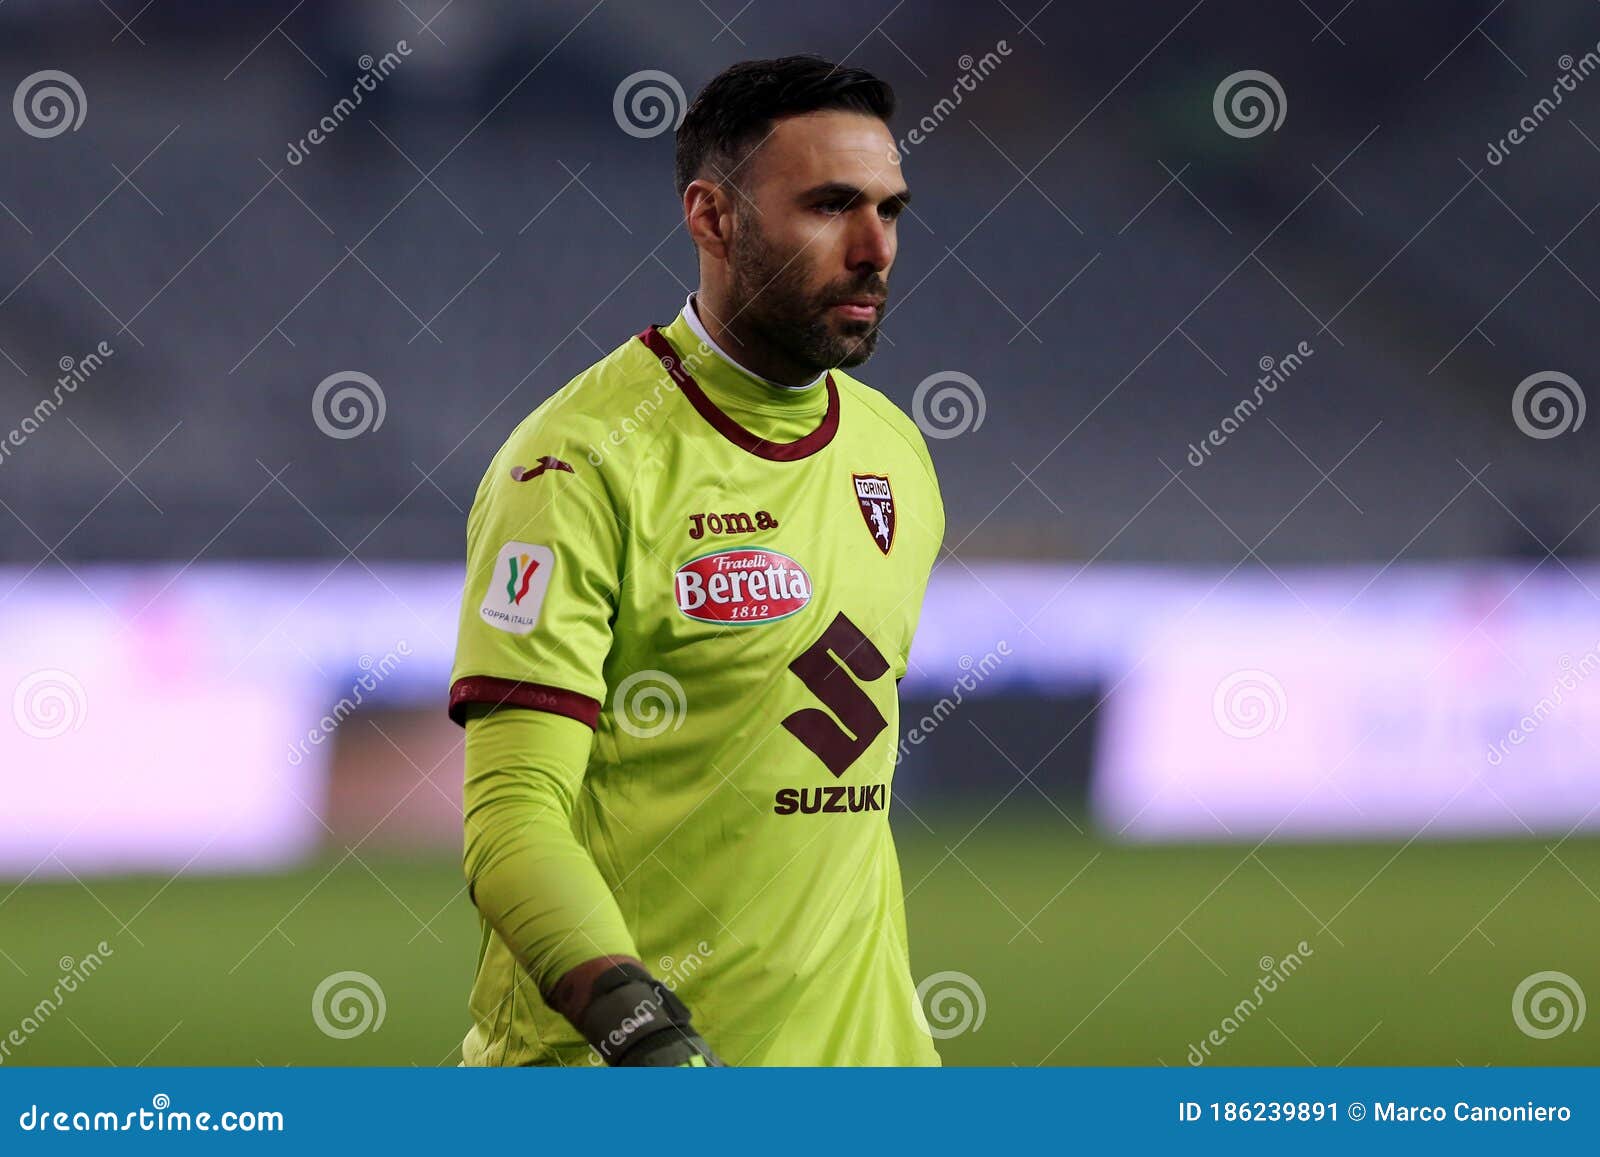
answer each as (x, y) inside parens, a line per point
(877, 507)
(741, 586)
(516, 588)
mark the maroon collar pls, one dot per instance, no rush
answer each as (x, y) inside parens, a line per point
(730, 429)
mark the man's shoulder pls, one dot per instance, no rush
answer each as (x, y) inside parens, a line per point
(595, 415)
(884, 414)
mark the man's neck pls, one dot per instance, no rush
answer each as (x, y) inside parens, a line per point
(708, 328)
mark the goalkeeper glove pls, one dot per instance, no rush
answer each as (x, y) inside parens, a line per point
(635, 1020)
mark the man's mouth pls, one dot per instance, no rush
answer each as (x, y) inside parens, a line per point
(860, 308)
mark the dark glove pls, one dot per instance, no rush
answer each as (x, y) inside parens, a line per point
(634, 1020)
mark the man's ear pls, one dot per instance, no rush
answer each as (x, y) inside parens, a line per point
(707, 209)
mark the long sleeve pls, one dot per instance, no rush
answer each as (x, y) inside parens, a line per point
(527, 873)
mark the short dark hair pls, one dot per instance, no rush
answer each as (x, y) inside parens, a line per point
(734, 112)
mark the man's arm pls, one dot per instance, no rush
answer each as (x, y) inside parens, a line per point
(573, 992)
(542, 892)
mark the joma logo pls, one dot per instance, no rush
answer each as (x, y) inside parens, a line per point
(738, 522)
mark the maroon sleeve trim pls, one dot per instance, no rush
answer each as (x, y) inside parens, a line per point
(512, 693)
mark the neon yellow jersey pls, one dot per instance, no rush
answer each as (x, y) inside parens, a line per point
(723, 580)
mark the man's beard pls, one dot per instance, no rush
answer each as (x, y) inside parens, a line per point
(773, 307)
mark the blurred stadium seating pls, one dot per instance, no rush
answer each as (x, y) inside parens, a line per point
(1167, 719)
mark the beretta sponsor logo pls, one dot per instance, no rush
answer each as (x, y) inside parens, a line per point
(741, 586)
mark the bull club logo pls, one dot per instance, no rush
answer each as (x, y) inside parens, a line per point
(876, 500)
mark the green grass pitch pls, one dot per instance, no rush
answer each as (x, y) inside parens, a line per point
(1085, 952)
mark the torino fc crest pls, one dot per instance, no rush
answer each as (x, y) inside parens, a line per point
(877, 507)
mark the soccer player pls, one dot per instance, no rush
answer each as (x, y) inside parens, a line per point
(693, 578)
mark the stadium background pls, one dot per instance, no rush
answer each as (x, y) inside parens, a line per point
(1179, 718)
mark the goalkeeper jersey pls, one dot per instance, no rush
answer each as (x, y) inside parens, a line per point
(722, 579)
